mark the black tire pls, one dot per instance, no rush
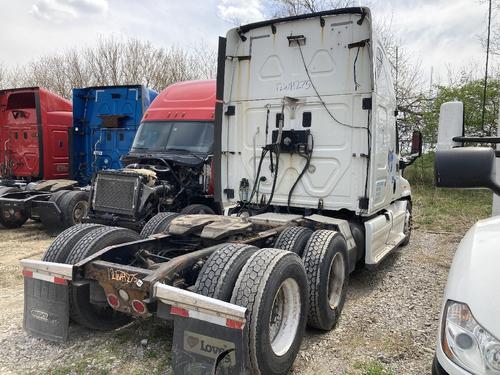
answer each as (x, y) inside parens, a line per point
(58, 195)
(59, 249)
(81, 310)
(53, 224)
(197, 209)
(74, 206)
(11, 219)
(408, 224)
(266, 274)
(221, 270)
(358, 234)
(321, 250)
(158, 223)
(293, 239)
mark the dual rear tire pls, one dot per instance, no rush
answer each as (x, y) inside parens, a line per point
(281, 291)
(74, 207)
(272, 285)
(75, 244)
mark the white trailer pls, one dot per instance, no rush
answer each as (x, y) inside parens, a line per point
(307, 166)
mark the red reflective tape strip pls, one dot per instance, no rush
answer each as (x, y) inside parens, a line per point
(174, 310)
(59, 280)
(27, 273)
(234, 324)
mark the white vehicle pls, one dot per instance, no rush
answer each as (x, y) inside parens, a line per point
(469, 334)
(307, 166)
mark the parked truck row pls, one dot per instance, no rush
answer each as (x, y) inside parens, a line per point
(61, 162)
(307, 169)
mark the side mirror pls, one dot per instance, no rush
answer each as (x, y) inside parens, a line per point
(416, 143)
(466, 167)
(416, 151)
(451, 125)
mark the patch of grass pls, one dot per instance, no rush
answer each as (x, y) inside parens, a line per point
(449, 210)
(85, 365)
(444, 210)
(371, 368)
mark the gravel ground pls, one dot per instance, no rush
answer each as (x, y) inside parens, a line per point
(389, 320)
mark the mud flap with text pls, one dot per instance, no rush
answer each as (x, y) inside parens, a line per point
(202, 348)
(46, 309)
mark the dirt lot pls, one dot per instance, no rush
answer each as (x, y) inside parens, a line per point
(388, 325)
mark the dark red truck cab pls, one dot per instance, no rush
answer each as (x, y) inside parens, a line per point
(34, 134)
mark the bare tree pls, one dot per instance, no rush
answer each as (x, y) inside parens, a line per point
(114, 61)
(296, 7)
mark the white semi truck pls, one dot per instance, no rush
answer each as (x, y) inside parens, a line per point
(307, 166)
(469, 333)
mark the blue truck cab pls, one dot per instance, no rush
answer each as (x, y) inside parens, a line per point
(105, 120)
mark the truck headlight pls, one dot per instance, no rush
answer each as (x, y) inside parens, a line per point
(468, 344)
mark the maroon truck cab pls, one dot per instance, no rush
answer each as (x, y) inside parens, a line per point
(34, 134)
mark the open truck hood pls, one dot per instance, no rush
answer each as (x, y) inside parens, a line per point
(474, 276)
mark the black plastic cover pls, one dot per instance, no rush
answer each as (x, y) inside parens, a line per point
(201, 347)
(46, 309)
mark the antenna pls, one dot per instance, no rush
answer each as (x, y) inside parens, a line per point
(486, 70)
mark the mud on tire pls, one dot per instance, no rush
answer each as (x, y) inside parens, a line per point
(273, 287)
(325, 261)
(221, 270)
(158, 223)
(81, 310)
(293, 239)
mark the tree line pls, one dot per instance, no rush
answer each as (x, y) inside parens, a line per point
(111, 62)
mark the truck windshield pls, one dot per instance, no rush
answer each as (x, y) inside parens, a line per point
(191, 136)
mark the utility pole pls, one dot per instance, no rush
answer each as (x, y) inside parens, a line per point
(486, 70)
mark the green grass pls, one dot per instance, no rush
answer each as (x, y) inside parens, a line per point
(449, 210)
(371, 368)
(444, 210)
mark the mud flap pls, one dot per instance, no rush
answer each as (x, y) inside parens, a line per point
(50, 215)
(203, 348)
(46, 309)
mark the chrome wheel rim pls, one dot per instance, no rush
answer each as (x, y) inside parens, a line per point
(336, 279)
(284, 317)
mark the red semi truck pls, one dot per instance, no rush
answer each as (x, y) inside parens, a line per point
(169, 164)
(34, 134)
(34, 127)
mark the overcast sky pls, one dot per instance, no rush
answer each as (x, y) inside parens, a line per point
(440, 32)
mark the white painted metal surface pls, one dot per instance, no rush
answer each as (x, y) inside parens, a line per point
(49, 269)
(385, 232)
(266, 72)
(474, 280)
(451, 118)
(197, 302)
